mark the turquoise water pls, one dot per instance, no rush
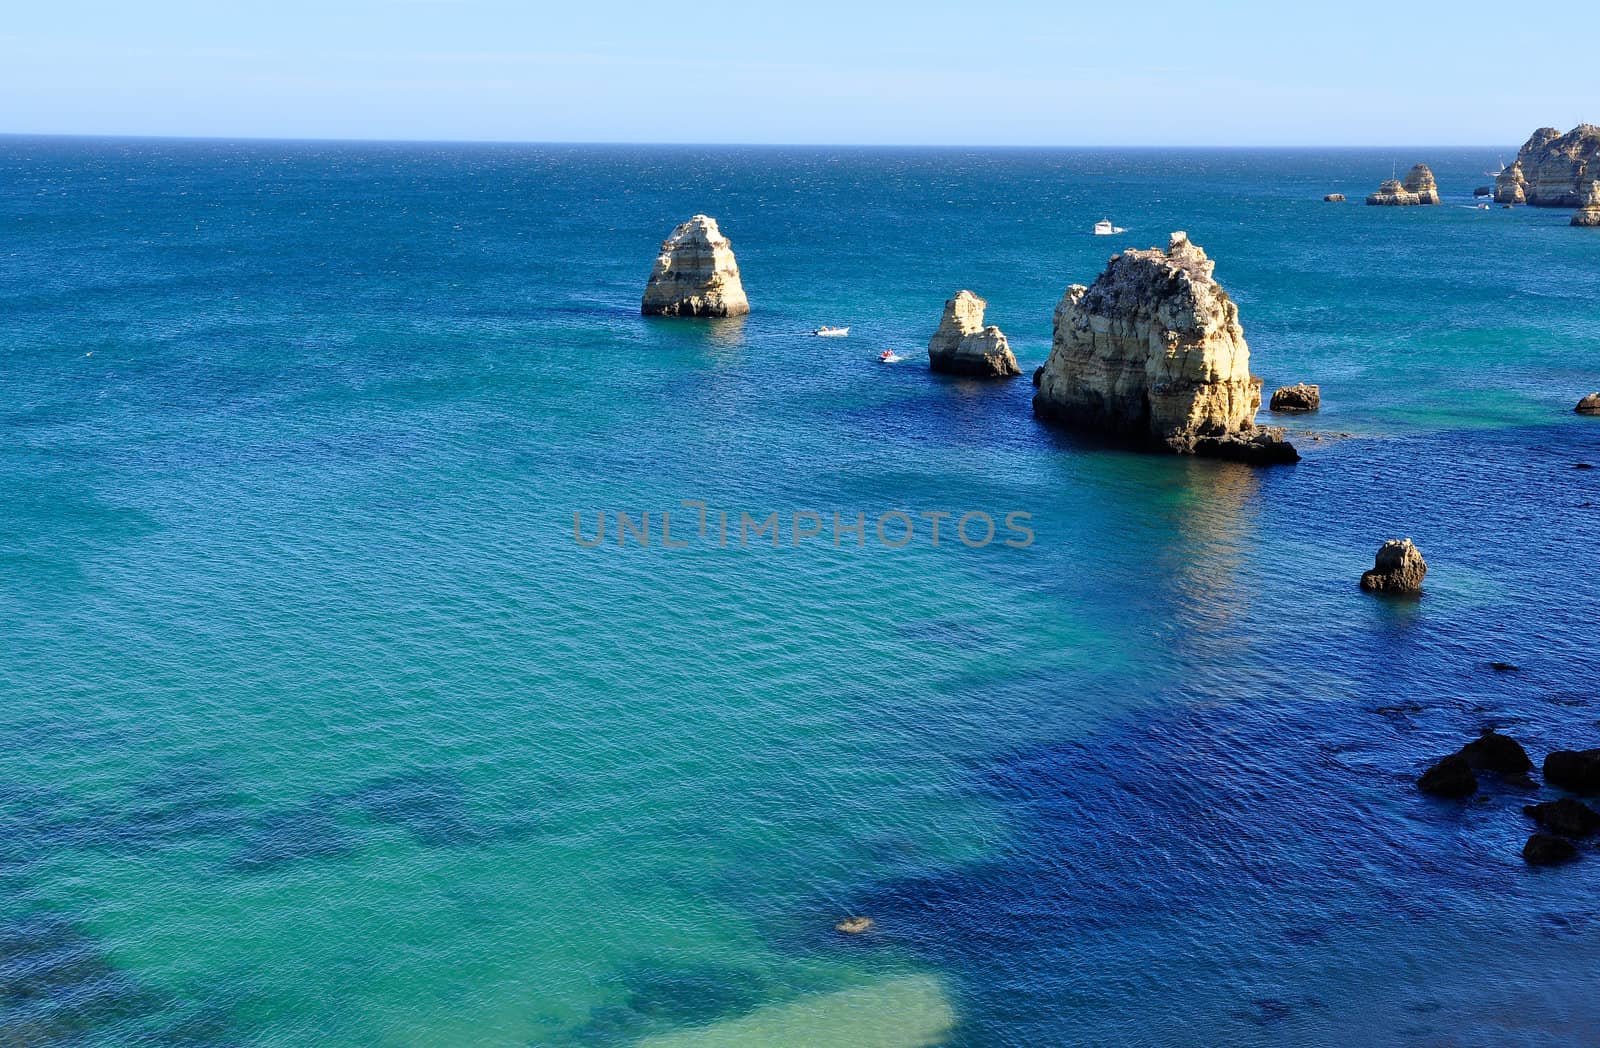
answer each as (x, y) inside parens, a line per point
(321, 728)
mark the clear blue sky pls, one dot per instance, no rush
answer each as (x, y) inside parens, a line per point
(1025, 72)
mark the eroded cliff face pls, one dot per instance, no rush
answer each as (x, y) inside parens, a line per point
(695, 275)
(1552, 169)
(1418, 188)
(962, 345)
(1153, 351)
(1589, 214)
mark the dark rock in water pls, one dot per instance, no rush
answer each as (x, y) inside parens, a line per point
(1036, 373)
(1451, 777)
(1574, 770)
(1261, 446)
(1498, 753)
(1333, 198)
(1398, 568)
(1483, 191)
(1566, 816)
(1543, 849)
(1589, 405)
(1504, 667)
(1302, 397)
(1582, 465)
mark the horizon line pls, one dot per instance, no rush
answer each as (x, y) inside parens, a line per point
(653, 144)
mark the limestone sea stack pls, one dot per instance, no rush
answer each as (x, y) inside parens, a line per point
(1552, 169)
(1153, 351)
(963, 346)
(1589, 213)
(1398, 568)
(1419, 187)
(695, 275)
(1511, 185)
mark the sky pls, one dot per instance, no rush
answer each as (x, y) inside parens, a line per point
(873, 72)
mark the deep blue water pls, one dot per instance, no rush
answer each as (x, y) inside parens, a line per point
(320, 727)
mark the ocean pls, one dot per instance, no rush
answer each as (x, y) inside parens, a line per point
(321, 726)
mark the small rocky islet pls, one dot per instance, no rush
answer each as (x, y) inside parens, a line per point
(695, 275)
(1419, 188)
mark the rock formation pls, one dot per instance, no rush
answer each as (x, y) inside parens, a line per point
(1450, 777)
(1589, 213)
(1577, 771)
(1483, 191)
(1552, 169)
(1398, 568)
(1510, 185)
(1567, 817)
(1302, 397)
(1589, 405)
(1333, 198)
(1543, 849)
(695, 275)
(1419, 187)
(1494, 752)
(1153, 351)
(963, 346)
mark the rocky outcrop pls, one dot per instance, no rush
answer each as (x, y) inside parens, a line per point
(1494, 752)
(1567, 817)
(1333, 198)
(1419, 187)
(1543, 849)
(1589, 213)
(1483, 191)
(1398, 568)
(1575, 770)
(1555, 169)
(1153, 351)
(695, 275)
(962, 345)
(1511, 185)
(1589, 405)
(1301, 397)
(1450, 777)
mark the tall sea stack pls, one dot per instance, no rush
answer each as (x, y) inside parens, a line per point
(1419, 187)
(962, 345)
(1153, 351)
(695, 275)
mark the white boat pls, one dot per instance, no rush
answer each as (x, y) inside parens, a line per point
(832, 332)
(889, 356)
(1104, 228)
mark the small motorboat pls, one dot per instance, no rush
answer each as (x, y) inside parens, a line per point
(1104, 228)
(889, 356)
(832, 332)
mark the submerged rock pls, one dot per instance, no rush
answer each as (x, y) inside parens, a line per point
(1419, 187)
(1552, 169)
(1451, 777)
(1589, 213)
(1568, 817)
(1577, 771)
(1153, 351)
(1589, 405)
(695, 275)
(854, 925)
(1398, 568)
(1544, 849)
(1301, 397)
(962, 345)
